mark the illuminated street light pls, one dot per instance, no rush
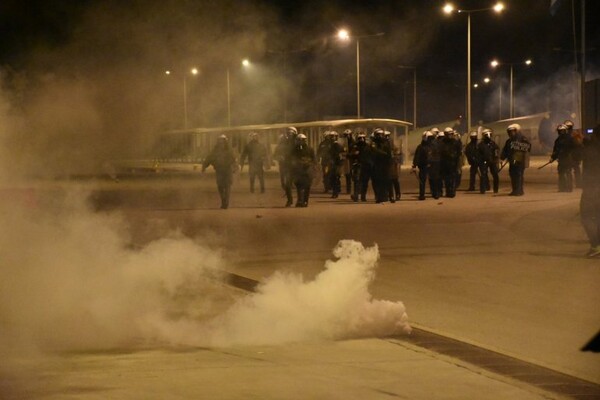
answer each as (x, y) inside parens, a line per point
(344, 34)
(495, 64)
(486, 80)
(449, 9)
(192, 71)
(246, 64)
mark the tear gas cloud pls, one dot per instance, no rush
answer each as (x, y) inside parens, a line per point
(70, 280)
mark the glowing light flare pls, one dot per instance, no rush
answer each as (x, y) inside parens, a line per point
(528, 62)
(487, 80)
(343, 34)
(246, 62)
(448, 8)
(499, 7)
(194, 71)
(495, 63)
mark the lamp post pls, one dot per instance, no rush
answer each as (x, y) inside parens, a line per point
(414, 93)
(246, 64)
(344, 35)
(449, 9)
(495, 64)
(192, 71)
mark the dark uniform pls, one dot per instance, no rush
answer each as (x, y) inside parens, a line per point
(489, 154)
(303, 161)
(516, 151)
(359, 166)
(283, 153)
(381, 153)
(472, 155)
(421, 160)
(347, 166)
(323, 155)
(256, 154)
(395, 162)
(335, 162)
(563, 152)
(223, 161)
(577, 153)
(450, 151)
(590, 196)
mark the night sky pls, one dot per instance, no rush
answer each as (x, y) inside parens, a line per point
(294, 43)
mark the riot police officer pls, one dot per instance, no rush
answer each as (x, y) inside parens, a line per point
(223, 161)
(450, 156)
(516, 150)
(473, 159)
(421, 160)
(359, 165)
(563, 152)
(283, 153)
(336, 158)
(381, 153)
(323, 156)
(488, 152)
(302, 166)
(256, 154)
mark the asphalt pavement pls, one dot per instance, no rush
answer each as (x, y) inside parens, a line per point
(497, 288)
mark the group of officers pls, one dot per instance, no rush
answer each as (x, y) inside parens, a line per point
(360, 160)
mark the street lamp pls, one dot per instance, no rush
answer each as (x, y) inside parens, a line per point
(192, 71)
(495, 64)
(449, 9)
(414, 92)
(245, 64)
(344, 34)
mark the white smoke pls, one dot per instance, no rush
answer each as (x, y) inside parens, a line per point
(335, 305)
(70, 280)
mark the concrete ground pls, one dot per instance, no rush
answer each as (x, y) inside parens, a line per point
(506, 274)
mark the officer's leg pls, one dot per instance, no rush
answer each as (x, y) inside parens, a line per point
(422, 182)
(495, 177)
(483, 178)
(261, 179)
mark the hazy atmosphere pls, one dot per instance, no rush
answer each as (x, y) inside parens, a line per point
(92, 263)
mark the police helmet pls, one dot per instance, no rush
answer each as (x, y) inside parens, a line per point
(487, 133)
(473, 134)
(348, 132)
(561, 128)
(334, 135)
(440, 134)
(428, 134)
(387, 133)
(448, 131)
(514, 127)
(292, 130)
(223, 137)
(569, 124)
(301, 136)
(435, 131)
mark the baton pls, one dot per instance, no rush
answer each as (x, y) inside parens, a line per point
(414, 172)
(503, 165)
(549, 162)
